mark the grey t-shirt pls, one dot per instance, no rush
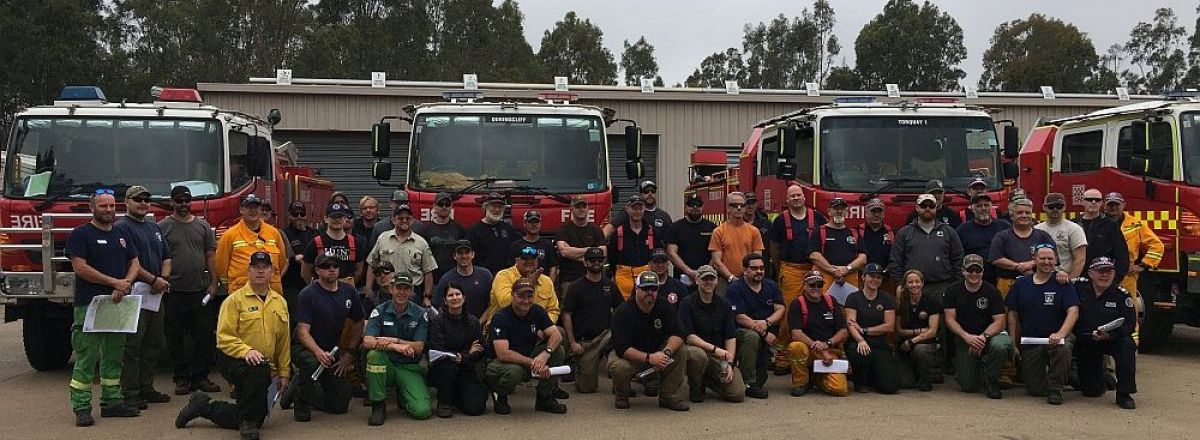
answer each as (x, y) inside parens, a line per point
(1006, 244)
(188, 243)
(1067, 236)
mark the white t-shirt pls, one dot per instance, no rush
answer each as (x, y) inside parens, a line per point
(1067, 236)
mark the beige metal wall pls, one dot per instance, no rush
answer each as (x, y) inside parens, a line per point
(682, 120)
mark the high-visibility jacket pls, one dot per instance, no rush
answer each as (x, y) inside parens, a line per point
(1142, 242)
(234, 250)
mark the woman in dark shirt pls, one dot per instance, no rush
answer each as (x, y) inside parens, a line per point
(457, 375)
(870, 316)
(917, 355)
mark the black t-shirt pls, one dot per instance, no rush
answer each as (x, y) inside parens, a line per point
(973, 311)
(441, 239)
(491, 244)
(520, 332)
(877, 244)
(977, 239)
(590, 305)
(575, 236)
(671, 292)
(108, 252)
(870, 311)
(342, 249)
(647, 332)
(629, 248)
(547, 254)
(298, 239)
(692, 239)
(918, 315)
(795, 250)
(658, 217)
(822, 321)
(944, 214)
(325, 312)
(839, 247)
(713, 322)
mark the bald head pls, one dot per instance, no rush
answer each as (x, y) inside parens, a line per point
(795, 198)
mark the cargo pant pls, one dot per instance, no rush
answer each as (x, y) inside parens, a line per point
(188, 318)
(753, 357)
(1008, 374)
(623, 371)
(503, 377)
(973, 372)
(1091, 371)
(252, 383)
(408, 379)
(588, 364)
(1045, 367)
(878, 369)
(833, 384)
(107, 349)
(791, 283)
(142, 352)
(919, 365)
(329, 393)
(704, 371)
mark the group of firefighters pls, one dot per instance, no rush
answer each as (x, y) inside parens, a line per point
(312, 318)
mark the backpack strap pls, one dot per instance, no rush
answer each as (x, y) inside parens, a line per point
(620, 238)
(353, 248)
(320, 245)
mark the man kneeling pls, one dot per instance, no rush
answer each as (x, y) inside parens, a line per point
(646, 336)
(817, 327)
(396, 335)
(524, 343)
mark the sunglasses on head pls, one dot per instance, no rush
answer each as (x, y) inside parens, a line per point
(1092, 199)
(815, 284)
(529, 252)
(1041, 246)
(103, 191)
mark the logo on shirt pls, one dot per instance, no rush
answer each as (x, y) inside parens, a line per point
(923, 315)
(981, 303)
(347, 304)
(658, 222)
(532, 328)
(413, 324)
(1111, 304)
(122, 240)
(878, 307)
(1047, 298)
(850, 239)
(657, 323)
(939, 233)
(828, 315)
(374, 313)
(158, 235)
(733, 307)
(672, 298)
(1129, 302)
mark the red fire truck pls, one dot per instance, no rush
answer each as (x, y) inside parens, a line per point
(539, 155)
(58, 155)
(1149, 152)
(857, 149)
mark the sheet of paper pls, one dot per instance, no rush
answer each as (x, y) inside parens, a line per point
(840, 291)
(272, 397)
(558, 371)
(1036, 341)
(437, 355)
(150, 301)
(1112, 325)
(838, 366)
(38, 183)
(105, 316)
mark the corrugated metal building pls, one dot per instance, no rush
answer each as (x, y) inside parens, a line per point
(330, 120)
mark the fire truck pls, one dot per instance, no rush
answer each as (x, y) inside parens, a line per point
(857, 148)
(1150, 153)
(538, 155)
(58, 155)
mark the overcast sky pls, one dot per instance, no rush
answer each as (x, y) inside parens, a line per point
(683, 32)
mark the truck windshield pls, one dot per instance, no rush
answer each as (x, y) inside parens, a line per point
(1189, 130)
(557, 153)
(861, 153)
(50, 156)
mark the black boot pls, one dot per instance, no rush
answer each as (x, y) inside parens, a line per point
(197, 405)
(83, 417)
(249, 431)
(378, 414)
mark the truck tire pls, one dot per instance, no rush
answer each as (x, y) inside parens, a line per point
(47, 340)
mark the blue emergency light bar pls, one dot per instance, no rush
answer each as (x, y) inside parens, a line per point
(81, 93)
(454, 95)
(1181, 94)
(854, 100)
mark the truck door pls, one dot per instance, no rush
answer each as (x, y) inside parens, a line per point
(1076, 166)
(1157, 206)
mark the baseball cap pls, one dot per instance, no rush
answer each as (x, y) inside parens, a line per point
(926, 198)
(659, 254)
(634, 200)
(528, 252)
(1114, 197)
(297, 208)
(647, 279)
(972, 260)
(875, 203)
(647, 184)
(935, 185)
(180, 191)
(338, 209)
(693, 200)
(750, 197)
(521, 285)
(532, 216)
(593, 253)
(977, 182)
(1101, 263)
(325, 259)
(251, 199)
(1052, 198)
(402, 280)
(260, 257)
(442, 196)
(402, 207)
(813, 275)
(135, 191)
(1020, 201)
(838, 202)
(493, 197)
(981, 196)
(873, 268)
(399, 196)
(384, 267)
(462, 244)
(579, 201)
(706, 271)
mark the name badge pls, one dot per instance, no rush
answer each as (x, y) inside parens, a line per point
(388, 323)
(1110, 304)
(101, 241)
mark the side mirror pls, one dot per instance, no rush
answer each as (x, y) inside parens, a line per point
(786, 171)
(258, 157)
(633, 143)
(634, 169)
(1137, 132)
(1012, 146)
(381, 170)
(273, 117)
(1011, 170)
(1137, 166)
(381, 140)
(787, 143)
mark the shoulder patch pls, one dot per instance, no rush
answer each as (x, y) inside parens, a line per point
(374, 313)
(1129, 302)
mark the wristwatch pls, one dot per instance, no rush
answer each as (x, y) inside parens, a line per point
(549, 351)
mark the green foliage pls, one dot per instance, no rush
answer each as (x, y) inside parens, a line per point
(637, 62)
(843, 78)
(718, 68)
(790, 52)
(917, 47)
(1038, 51)
(575, 49)
(1156, 53)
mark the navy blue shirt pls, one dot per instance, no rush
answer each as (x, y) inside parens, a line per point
(325, 312)
(520, 332)
(977, 239)
(713, 321)
(476, 289)
(877, 244)
(147, 239)
(106, 251)
(1042, 308)
(758, 305)
(671, 292)
(796, 249)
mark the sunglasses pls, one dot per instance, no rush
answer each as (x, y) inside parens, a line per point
(297, 213)
(1055, 206)
(927, 205)
(443, 205)
(737, 205)
(182, 201)
(328, 266)
(815, 284)
(877, 210)
(141, 199)
(525, 294)
(596, 259)
(649, 288)
(1092, 199)
(103, 191)
(974, 269)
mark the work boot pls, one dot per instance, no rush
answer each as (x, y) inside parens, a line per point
(783, 370)
(378, 414)
(248, 431)
(799, 391)
(993, 391)
(195, 407)
(303, 412)
(182, 388)
(924, 386)
(756, 392)
(1124, 401)
(207, 386)
(122, 409)
(550, 405)
(358, 392)
(137, 402)
(696, 395)
(673, 406)
(560, 393)
(444, 411)
(500, 406)
(153, 396)
(1110, 380)
(288, 398)
(1055, 397)
(83, 417)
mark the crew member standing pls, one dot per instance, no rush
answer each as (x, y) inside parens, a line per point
(942, 213)
(930, 246)
(659, 218)
(1011, 252)
(875, 239)
(977, 232)
(547, 254)
(834, 249)
(630, 244)
(732, 240)
(298, 234)
(1069, 238)
(1145, 248)
(1104, 235)
(492, 237)
(409, 254)
(790, 236)
(687, 244)
(573, 239)
(251, 234)
(442, 233)
(143, 349)
(192, 244)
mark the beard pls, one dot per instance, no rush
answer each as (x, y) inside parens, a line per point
(182, 210)
(103, 218)
(493, 217)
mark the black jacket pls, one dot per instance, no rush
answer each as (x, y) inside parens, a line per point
(1105, 239)
(455, 333)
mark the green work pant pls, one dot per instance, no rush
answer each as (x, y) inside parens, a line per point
(589, 363)
(972, 372)
(1045, 367)
(503, 377)
(108, 350)
(704, 371)
(329, 393)
(877, 369)
(142, 352)
(622, 372)
(408, 379)
(753, 356)
(921, 364)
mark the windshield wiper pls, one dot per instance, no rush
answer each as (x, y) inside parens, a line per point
(542, 191)
(82, 188)
(481, 183)
(891, 183)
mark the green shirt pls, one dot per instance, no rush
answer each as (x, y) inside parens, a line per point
(411, 257)
(409, 326)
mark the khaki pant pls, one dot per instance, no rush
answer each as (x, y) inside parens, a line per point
(704, 370)
(791, 283)
(921, 364)
(588, 364)
(833, 384)
(1045, 367)
(622, 372)
(624, 276)
(1008, 373)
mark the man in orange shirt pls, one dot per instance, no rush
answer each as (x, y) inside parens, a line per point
(242, 240)
(732, 240)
